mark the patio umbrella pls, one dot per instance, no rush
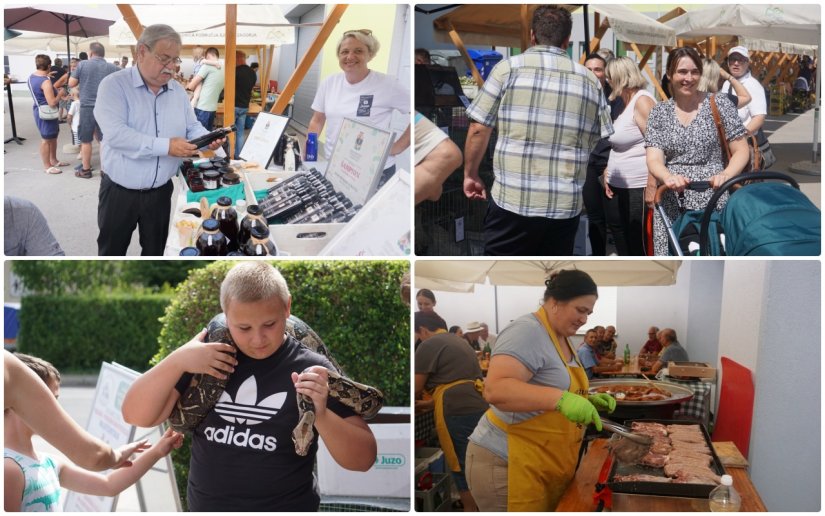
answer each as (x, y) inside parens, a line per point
(9, 34)
(460, 275)
(56, 20)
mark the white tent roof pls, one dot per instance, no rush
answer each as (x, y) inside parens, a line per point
(461, 275)
(500, 25)
(206, 25)
(31, 43)
(791, 23)
(765, 45)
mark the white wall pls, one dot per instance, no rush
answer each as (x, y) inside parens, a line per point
(785, 442)
(744, 284)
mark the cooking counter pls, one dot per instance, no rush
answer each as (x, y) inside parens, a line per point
(579, 495)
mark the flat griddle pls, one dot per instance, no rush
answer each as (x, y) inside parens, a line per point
(660, 488)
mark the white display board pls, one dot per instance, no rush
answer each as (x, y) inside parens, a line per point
(358, 159)
(264, 136)
(381, 228)
(107, 424)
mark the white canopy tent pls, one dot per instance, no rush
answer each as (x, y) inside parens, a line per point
(500, 25)
(206, 25)
(461, 275)
(786, 23)
(31, 43)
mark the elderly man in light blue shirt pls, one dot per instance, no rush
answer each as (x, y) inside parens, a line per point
(148, 121)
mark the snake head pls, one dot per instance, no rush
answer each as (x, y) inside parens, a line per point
(302, 434)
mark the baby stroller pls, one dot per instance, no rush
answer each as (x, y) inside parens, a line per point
(800, 98)
(762, 218)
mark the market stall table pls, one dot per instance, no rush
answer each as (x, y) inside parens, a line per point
(631, 369)
(579, 495)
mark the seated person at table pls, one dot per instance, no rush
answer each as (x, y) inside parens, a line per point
(672, 352)
(608, 344)
(589, 359)
(448, 369)
(652, 346)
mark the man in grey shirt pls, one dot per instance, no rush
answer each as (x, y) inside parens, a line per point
(672, 351)
(25, 231)
(88, 75)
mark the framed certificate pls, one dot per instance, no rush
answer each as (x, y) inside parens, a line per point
(358, 159)
(262, 139)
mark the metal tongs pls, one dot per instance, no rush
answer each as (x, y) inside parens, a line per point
(630, 447)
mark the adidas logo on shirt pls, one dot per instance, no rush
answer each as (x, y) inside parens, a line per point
(246, 410)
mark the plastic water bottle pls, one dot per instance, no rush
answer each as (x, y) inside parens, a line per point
(312, 147)
(724, 498)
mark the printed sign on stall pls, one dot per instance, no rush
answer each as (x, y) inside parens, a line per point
(358, 159)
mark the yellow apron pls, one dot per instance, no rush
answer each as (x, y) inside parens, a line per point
(543, 450)
(441, 424)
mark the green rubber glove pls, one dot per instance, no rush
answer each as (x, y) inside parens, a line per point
(603, 402)
(579, 410)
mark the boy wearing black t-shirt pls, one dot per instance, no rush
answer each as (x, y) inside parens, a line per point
(243, 457)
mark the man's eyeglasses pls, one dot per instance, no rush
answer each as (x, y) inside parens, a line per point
(365, 32)
(166, 60)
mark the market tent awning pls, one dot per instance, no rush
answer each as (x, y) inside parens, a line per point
(206, 25)
(773, 22)
(30, 43)
(65, 20)
(501, 25)
(765, 45)
(461, 275)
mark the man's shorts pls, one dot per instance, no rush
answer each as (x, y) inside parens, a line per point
(88, 125)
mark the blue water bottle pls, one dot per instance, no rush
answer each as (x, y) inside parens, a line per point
(312, 147)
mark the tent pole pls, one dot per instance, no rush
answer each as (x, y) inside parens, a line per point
(586, 30)
(466, 55)
(306, 61)
(817, 107)
(68, 44)
(131, 19)
(229, 74)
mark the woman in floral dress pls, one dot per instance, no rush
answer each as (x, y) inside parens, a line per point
(682, 143)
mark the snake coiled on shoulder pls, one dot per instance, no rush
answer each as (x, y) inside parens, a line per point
(204, 391)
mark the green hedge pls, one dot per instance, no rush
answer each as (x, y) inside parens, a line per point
(354, 306)
(77, 332)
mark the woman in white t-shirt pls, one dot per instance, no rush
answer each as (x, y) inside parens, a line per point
(628, 186)
(361, 94)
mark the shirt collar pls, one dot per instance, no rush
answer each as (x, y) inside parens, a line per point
(548, 48)
(137, 80)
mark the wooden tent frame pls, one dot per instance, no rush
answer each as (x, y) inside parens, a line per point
(267, 53)
(599, 29)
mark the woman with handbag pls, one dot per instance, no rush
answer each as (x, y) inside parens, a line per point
(683, 142)
(45, 108)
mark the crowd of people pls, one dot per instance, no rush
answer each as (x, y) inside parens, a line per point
(575, 139)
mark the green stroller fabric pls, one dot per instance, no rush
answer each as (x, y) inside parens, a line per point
(771, 219)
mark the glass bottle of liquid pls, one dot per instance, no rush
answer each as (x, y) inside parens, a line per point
(254, 217)
(259, 243)
(626, 354)
(227, 217)
(211, 241)
(724, 497)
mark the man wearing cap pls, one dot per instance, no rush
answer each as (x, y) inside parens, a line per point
(752, 115)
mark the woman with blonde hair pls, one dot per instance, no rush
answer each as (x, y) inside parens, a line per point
(713, 75)
(627, 185)
(360, 93)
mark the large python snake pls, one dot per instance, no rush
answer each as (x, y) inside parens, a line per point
(205, 390)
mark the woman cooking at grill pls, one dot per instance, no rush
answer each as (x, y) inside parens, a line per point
(522, 455)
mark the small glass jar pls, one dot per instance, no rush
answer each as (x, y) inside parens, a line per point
(231, 178)
(211, 179)
(259, 243)
(254, 217)
(226, 215)
(211, 241)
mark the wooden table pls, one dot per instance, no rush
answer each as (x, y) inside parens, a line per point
(254, 109)
(631, 369)
(579, 495)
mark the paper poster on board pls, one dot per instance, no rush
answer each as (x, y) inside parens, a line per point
(358, 159)
(264, 136)
(381, 228)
